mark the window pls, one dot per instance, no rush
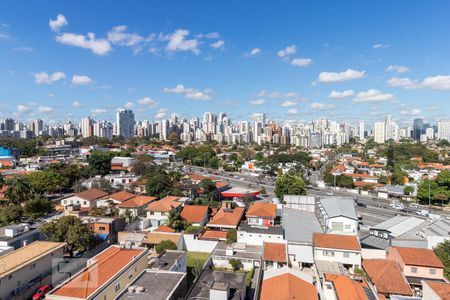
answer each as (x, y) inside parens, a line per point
(328, 253)
(32, 266)
(163, 214)
(432, 271)
(102, 228)
(85, 202)
(117, 288)
(348, 226)
(10, 276)
(152, 213)
(413, 270)
(346, 254)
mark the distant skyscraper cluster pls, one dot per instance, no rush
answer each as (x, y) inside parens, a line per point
(219, 127)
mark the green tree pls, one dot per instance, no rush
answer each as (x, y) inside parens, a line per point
(143, 165)
(175, 220)
(408, 190)
(209, 188)
(2, 180)
(390, 157)
(289, 185)
(72, 231)
(20, 190)
(159, 184)
(37, 207)
(232, 236)
(11, 214)
(438, 189)
(259, 156)
(47, 181)
(442, 251)
(165, 245)
(398, 176)
(100, 162)
(236, 264)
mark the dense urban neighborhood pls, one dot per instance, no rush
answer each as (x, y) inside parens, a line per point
(153, 218)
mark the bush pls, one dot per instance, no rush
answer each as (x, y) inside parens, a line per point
(192, 229)
(165, 245)
(232, 236)
(236, 264)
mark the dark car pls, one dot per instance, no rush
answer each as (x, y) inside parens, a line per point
(361, 205)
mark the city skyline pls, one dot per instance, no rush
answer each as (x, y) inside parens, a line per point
(145, 60)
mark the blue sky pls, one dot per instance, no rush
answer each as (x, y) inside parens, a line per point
(296, 60)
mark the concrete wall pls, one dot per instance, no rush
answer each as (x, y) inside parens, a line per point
(257, 238)
(373, 254)
(428, 293)
(300, 254)
(354, 258)
(350, 226)
(78, 200)
(193, 244)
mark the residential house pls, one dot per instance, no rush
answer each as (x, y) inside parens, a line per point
(299, 227)
(158, 211)
(433, 290)
(115, 198)
(417, 264)
(249, 255)
(274, 255)
(287, 284)
(344, 249)
(219, 285)
(86, 199)
(105, 228)
(169, 260)
(105, 276)
(226, 217)
(154, 238)
(342, 287)
(387, 277)
(337, 215)
(197, 215)
(261, 214)
(19, 235)
(135, 206)
(24, 270)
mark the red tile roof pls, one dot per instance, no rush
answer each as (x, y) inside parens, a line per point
(215, 234)
(440, 288)
(336, 241)
(346, 288)
(287, 287)
(419, 257)
(227, 217)
(137, 201)
(194, 213)
(108, 264)
(275, 252)
(262, 210)
(387, 276)
(122, 196)
(166, 204)
(164, 228)
(91, 194)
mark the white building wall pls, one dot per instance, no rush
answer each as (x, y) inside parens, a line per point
(350, 226)
(300, 254)
(195, 245)
(354, 258)
(257, 239)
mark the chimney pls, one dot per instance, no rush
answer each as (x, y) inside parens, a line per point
(219, 291)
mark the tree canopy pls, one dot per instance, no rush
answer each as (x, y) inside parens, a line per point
(47, 182)
(100, 162)
(439, 189)
(289, 185)
(37, 208)
(442, 251)
(165, 245)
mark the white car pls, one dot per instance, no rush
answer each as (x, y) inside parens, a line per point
(414, 205)
(330, 194)
(423, 213)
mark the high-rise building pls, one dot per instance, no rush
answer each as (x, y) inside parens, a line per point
(379, 134)
(443, 130)
(361, 130)
(417, 129)
(86, 127)
(37, 127)
(391, 129)
(125, 123)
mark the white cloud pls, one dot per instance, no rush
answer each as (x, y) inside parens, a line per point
(320, 106)
(98, 111)
(81, 80)
(301, 62)
(349, 74)
(410, 112)
(293, 111)
(218, 45)
(397, 69)
(253, 52)
(22, 108)
(381, 46)
(373, 95)
(277, 95)
(119, 36)
(45, 78)
(340, 95)
(257, 101)
(439, 82)
(161, 114)
(178, 41)
(99, 46)
(190, 93)
(292, 49)
(288, 103)
(147, 101)
(211, 35)
(76, 104)
(23, 49)
(129, 105)
(58, 23)
(45, 109)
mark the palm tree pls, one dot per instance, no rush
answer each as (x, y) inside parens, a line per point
(20, 190)
(175, 220)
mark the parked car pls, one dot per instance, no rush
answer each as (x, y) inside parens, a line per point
(423, 213)
(360, 204)
(41, 292)
(414, 205)
(330, 194)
